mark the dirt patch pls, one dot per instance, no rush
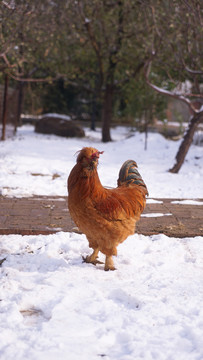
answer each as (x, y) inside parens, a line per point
(47, 215)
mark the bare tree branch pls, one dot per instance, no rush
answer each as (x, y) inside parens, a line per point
(17, 78)
(4, 57)
(95, 47)
(174, 95)
(93, 41)
(194, 72)
(10, 6)
(195, 9)
(194, 95)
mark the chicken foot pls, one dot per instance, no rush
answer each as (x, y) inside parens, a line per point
(92, 259)
(109, 264)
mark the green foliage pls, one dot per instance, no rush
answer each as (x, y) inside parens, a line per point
(138, 100)
(80, 47)
(59, 98)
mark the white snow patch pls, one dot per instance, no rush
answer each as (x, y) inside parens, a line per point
(187, 202)
(155, 215)
(154, 201)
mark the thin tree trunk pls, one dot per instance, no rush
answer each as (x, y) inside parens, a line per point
(19, 106)
(107, 113)
(93, 115)
(146, 128)
(187, 141)
(4, 112)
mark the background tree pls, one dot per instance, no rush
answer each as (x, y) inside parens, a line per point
(176, 56)
(96, 51)
(114, 43)
(27, 43)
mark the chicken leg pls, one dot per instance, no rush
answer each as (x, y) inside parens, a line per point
(92, 259)
(109, 264)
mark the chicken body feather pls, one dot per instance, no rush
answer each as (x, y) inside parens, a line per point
(106, 216)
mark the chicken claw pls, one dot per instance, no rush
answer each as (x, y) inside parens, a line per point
(92, 259)
(94, 262)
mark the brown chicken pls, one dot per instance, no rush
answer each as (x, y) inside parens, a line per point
(106, 216)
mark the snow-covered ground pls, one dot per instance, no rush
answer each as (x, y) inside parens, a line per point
(35, 164)
(52, 306)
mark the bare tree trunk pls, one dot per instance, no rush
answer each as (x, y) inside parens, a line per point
(187, 141)
(20, 104)
(107, 113)
(96, 95)
(5, 103)
(93, 115)
(194, 122)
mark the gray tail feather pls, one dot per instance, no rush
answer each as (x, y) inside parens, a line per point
(129, 174)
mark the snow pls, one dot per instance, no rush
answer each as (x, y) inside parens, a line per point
(177, 124)
(30, 162)
(52, 115)
(55, 115)
(155, 215)
(154, 201)
(187, 202)
(53, 306)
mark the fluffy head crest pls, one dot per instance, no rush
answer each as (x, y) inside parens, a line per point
(88, 156)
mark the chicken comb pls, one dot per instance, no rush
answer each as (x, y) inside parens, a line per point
(97, 153)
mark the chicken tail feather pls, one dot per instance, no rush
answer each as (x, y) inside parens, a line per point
(129, 174)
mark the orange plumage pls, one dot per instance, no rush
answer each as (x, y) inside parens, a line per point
(106, 216)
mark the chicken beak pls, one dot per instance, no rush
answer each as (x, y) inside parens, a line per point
(95, 156)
